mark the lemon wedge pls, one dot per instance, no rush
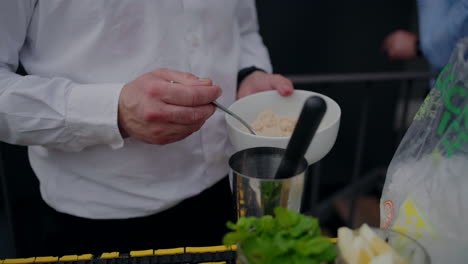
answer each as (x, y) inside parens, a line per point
(364, 246)
(360, 251)
(346, 237)
(376, 244)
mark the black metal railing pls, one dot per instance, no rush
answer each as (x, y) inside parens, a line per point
(360, 77)
(405, 82)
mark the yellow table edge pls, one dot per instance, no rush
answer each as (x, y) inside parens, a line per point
(135, 253)
(19, 261)
(142, 253)
(69, 258)
(110, 255)
(45, 259)
(207, 249)
(169, 251)
(85, 257)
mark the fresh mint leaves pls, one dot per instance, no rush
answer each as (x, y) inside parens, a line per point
(287, 238)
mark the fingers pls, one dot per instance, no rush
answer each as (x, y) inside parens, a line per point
(180, 115)
(183, 88)
(185, 78)
(392, 39)
(157, 111)
(183, 95)
(260, 81)
(389, 41)
(283, 85)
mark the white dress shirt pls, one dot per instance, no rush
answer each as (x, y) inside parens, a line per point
(79, 54)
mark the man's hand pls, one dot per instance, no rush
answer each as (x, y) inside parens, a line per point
(259, 81)
(156, 111)
(401, 45)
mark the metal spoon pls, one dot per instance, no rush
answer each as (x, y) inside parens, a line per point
(220, 106)
(235, 116)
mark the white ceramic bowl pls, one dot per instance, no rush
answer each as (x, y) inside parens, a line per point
(250, 106)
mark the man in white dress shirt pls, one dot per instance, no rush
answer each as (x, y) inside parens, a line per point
(122, 153)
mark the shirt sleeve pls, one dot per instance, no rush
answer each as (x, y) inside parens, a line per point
(442, 24)
(253, 50)
(51, 112)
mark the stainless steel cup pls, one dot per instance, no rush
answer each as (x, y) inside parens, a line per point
(256, 190)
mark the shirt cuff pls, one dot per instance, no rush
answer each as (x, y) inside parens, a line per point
(92, 113)
(243, 73)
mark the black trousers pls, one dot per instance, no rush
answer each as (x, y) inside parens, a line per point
(197, 221)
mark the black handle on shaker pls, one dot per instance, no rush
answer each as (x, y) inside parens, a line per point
(309, 120)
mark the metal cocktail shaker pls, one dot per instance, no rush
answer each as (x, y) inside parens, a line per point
(257, 192)
(265, 177)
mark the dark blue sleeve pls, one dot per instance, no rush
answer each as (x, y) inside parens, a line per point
(442, 24)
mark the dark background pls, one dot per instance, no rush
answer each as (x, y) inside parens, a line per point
(331, 36)
(303, 37)
(328, 37)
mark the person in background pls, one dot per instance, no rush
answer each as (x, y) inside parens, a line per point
(402, 45)
(441, 25)
(115, 109)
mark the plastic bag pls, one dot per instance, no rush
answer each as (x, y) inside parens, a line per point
(426, 189)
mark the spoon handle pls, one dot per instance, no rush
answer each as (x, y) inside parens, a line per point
(309, 120)
(220, 106)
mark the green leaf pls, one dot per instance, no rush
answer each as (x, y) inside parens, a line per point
(313, 246)
(328, 254)
(283, 242)
(231, 238)
(265, 223)
(287, 238)
(285, 217)
(306, 224)
(297, 259)
(231, 225)
(270, 196)
(260, 248)
(286, 259)
(246, 223)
